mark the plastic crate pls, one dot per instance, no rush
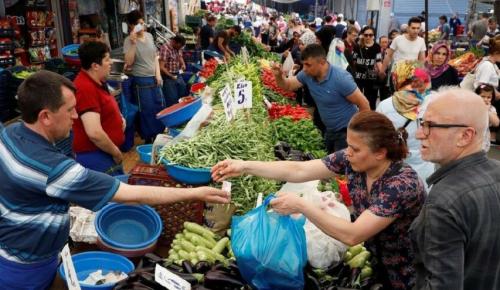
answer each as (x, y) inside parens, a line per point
(173, 215)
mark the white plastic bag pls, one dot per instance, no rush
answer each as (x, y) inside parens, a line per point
(288, 64)
(193, 125)
(82, 227)
(322, 250)
(336, 55)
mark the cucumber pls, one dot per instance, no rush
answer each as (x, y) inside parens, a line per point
(197, 229)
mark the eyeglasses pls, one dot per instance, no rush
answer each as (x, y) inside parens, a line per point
(368, 35)
(427, 125)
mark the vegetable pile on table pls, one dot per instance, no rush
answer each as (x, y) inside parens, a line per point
(301, 135)
(464, 63)
(355, 272)
(209, 68)
(270, 82)
(296, 112)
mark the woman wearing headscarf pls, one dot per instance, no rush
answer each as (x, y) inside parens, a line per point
(412, 83)
(442, 74)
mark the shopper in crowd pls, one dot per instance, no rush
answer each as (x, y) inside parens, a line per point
(382, 83)
(487, 92)
(408, 46)
(207, 32)
(39, 183)
(142, 57)
(325, 37)
(492, 31)
(349, 43)
(341, 26)
(367, 61)
(387, 194)
(333, 90)
(444, 28)
(393, 34)
(171, 65)
(412, 89)
(478, 29)
(99, 128)
(220, 43)
(273, 32)
(393, 24)
(441, 73)
(454, 23)
(487, 72)
(455, 237)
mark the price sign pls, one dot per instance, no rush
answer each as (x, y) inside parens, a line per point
(243, 94)
(228, 102)
(169, 280)
(69, 269)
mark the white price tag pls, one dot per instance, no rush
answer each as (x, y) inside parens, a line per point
(69, 269)
(243, 94)
(169, 280)
(228, 102)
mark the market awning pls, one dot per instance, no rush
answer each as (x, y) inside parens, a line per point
(286, 1)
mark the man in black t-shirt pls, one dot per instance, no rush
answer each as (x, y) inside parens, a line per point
(207, 32)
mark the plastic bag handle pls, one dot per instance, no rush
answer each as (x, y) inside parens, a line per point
(268, 200)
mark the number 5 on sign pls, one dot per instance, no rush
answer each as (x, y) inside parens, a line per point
(243, 94)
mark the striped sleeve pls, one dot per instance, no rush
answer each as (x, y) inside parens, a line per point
(74, 183)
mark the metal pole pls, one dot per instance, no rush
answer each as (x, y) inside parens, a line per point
(316, 9)
(426, 24)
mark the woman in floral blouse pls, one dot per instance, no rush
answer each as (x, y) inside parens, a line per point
(387, 193)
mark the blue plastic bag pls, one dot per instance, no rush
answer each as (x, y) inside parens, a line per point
(270, 249)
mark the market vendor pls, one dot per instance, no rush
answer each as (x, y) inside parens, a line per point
(142, 57)
(387, 193)
(38, 182)
(171, 65)
(333, 89)
(220, 43)
(99, 128)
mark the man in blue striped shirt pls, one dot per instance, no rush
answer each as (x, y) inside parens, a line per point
(37, 183)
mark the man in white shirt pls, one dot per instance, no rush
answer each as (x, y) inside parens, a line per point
(408, 46)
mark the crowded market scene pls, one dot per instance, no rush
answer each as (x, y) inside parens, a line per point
(239, 144)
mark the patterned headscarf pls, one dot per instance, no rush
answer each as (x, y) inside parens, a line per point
(308, 38)
(436, 71)
(407, 102)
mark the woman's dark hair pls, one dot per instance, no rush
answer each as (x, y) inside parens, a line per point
(379, 133)
(325, 36)
(415, 19)
(92, 52)
(485, 88)
(443, 17)
(362, 41)
(313, 50)
(42, 90)
(134, 16)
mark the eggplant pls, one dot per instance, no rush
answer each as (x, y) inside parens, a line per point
(280, 154)
(199, 287)
(153, 258)
(354, 275)
(187, 267)
(174, 267)
(188, 277)
(148, 279)
(201, 267)
(334, 270)
(311, 283)
(221, 280)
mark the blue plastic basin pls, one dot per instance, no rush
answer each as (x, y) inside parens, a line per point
(187, 175)
(128, 226)
(89, 262)
(181, 115)
(144, 152)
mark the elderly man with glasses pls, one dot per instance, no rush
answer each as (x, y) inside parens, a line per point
(456, 236)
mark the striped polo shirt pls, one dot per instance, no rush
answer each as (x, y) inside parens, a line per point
(37, 183)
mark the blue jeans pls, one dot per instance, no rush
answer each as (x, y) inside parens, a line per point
(173, 90)
(335, 140)
(150, 100)
(14, 276)
(99, 161)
